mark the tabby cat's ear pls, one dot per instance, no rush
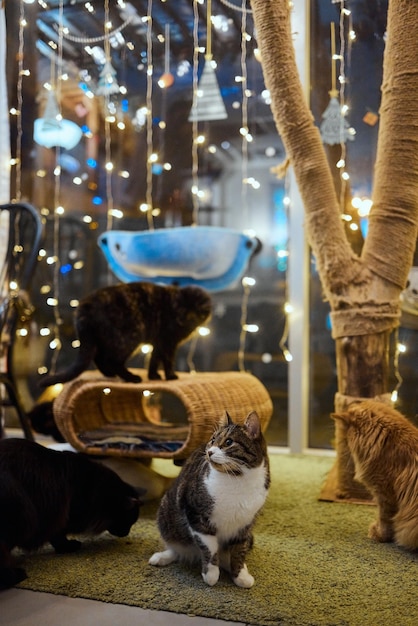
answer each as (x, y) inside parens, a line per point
(252, 425)
(227, 420)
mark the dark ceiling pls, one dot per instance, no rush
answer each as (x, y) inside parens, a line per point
(86, 20)
(84, 27)
(83, 55)
(174, 22)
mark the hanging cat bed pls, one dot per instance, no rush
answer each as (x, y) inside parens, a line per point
(211, 257)
(108, 417)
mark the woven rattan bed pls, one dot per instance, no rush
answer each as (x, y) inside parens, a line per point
(106, 416)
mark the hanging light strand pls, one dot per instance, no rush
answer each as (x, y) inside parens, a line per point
(195, 155)
(191, 353)
(246, 284)
(344, 53)
(19, 97)
(235, 7)
(195, 128)
(108, 141)
(167, 48)
(288, 308)
(343, 153)
(399, 349)
(56, 77)
(244, 120)
(100, 38)
(150, 72)
(246, 281)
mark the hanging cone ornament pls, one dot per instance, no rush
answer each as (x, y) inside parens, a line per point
(51, 116)
(107, 80)
(51, 130)
(334, 129)
(208, 103)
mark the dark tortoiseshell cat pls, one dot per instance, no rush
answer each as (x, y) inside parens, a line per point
(113, 321)
(208, 512)
(46, 494)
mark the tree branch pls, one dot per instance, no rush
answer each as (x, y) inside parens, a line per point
(392, 235)
(337, 263)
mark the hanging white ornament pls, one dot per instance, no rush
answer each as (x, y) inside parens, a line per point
(335, 129)
(208, 104)
(107, 80)
(207, 101)
(51, 130)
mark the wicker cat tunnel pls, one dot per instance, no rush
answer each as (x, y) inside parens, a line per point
(106, 416)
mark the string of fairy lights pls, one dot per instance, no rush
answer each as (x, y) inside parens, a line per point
(340, 58)
(246, 138)
(17, 161)
(54, 298)
(195, 127)
(151, 155)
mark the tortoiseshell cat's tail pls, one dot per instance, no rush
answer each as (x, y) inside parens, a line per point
(85, 356)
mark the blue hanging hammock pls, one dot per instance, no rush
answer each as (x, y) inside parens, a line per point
(208, 256)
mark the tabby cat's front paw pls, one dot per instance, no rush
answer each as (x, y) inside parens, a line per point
(380, 532)
(244, 578)
(163, 558)
(211, 576)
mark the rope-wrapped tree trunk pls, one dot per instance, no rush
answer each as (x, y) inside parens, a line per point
(363, 291)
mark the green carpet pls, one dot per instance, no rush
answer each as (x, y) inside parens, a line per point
(312, 562)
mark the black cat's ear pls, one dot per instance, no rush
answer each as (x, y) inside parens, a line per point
(132, 501)
(252, 425)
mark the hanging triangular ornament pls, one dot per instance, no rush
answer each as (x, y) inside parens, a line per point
(208, 104)
(334, 129)
(107, 83)
(51, 130)
(51, 118)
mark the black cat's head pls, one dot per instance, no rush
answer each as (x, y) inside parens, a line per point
(235, 447)
(124, 511)
(193, 307)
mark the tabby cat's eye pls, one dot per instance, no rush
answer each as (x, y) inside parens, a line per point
(229, 442)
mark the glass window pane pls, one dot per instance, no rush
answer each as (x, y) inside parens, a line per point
(102, 181)
(359, 46)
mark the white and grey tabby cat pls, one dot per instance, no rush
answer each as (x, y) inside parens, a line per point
(209, 511)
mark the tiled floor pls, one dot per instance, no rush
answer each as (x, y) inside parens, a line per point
(19, 607)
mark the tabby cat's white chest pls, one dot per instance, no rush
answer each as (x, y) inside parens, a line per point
(237, 499)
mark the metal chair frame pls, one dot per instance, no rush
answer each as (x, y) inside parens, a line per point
(16, 270)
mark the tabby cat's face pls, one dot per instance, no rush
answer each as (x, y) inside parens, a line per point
(231, 450)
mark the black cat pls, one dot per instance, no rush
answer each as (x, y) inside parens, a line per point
(113, 321)
(41, 418)
(46, 494)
